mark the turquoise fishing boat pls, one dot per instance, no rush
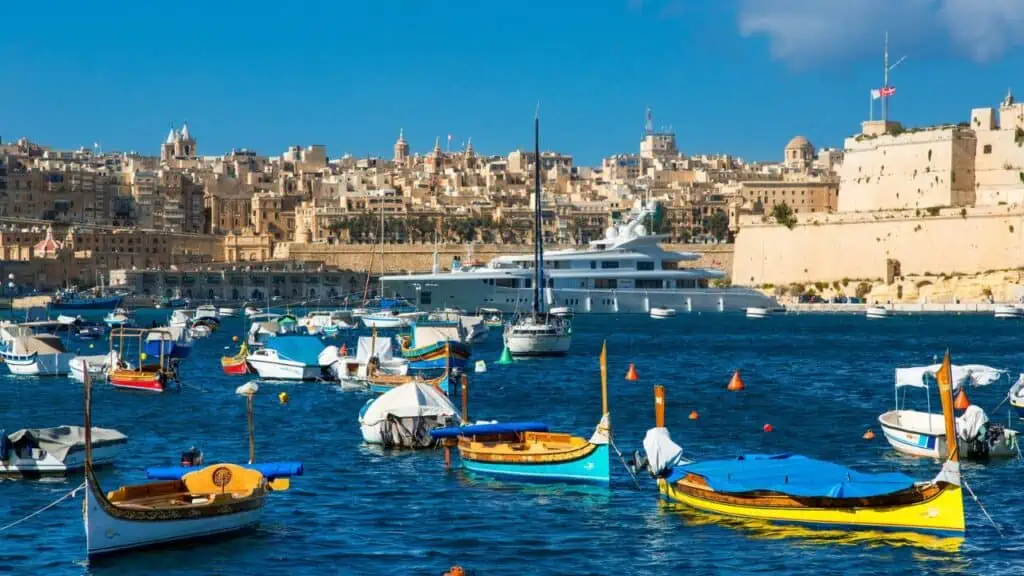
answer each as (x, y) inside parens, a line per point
(527, 451)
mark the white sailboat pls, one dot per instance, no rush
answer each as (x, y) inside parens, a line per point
(537, 333)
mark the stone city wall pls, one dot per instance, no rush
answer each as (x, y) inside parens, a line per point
(400, 258)
(830, 247)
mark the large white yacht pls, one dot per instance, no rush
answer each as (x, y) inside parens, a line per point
(627, 271)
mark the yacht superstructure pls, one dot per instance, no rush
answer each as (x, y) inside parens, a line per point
(627, 271)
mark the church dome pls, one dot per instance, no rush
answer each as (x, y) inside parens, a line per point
(798, 142)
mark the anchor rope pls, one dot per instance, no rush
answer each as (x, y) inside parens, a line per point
(70, 494)
(980, 505)
(624, 465)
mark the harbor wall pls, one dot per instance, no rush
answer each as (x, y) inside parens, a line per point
(879, 245)
(415, 258)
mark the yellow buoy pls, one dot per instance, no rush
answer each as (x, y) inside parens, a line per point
(143, 356)
(234, 338)
(283, 397)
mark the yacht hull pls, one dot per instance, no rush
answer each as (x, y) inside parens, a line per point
(530, 345)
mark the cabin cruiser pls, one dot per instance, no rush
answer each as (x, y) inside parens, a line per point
(627, 271)
(38, 355)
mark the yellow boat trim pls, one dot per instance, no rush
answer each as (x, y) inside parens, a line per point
(534, 448)
(941, 512)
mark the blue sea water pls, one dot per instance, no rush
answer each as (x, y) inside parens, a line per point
(819, 380)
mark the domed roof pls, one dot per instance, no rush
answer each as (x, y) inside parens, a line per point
(798, 142)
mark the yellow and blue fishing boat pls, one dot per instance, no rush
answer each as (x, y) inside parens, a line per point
(432, 347)
(792, 489)
(527, 451)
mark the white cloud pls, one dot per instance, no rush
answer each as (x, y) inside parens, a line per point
(809, 31)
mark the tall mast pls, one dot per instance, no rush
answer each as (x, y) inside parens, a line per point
(538, 241)
(381, 246)
(885, 82)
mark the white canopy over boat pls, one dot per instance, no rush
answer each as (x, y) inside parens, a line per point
(369, 348)
(60, 440)
(428, 335)
(662, 452)
(411, 400)
(974, 374)
(41, 344)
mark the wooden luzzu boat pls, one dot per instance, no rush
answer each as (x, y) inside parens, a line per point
(237, 364)
(380, 382)
(527, 451)
(791, 489)
(217, 500)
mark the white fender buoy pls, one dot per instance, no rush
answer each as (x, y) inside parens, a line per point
(481, 366)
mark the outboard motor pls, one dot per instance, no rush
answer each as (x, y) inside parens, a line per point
(192, 457)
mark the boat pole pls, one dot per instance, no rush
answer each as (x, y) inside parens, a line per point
(604, 378)
(659, 406)
(465, 399)
(252, 429)
(945, 381)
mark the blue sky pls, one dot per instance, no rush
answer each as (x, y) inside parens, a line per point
(736, 76)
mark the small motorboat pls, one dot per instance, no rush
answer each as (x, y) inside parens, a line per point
(355, 369)
(95, 366)
(150, 373)
(404, 416)
(430, 347)
(200, 331)
(384, 320)
(207, 311)
(562, 312)
(227, 312)
(119, 318)
(35, 452)
(877, 312)
(492, 317)
(38, 355)
(1009, 312)
(663, 313)
(288, 358)
(923, 433)
(251, 311)
(758, 312)
(171, 341)
(1016, 396)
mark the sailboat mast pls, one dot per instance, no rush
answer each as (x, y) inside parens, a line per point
(538, 256)
(382, 246)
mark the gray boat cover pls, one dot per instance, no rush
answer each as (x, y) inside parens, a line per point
(62, 439)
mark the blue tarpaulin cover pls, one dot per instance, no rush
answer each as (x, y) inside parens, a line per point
(304, 349)
(269, 470)
(484, 429)
(794, 475)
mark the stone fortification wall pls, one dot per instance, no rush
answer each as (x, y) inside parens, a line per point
(830, 247)
(931, 167)
(400, 258)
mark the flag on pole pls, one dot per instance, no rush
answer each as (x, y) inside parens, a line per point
(888, 91)
(449, 138)
(876, 94)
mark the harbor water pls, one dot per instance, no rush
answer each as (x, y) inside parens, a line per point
(820, 381)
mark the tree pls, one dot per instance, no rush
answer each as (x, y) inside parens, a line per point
(783, 214)
(718, 225)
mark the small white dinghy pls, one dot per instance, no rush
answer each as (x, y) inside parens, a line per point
(562, 312)
(1009, 312)
(95, 365)
(35, 452)
(758, 312)
(877, 312)
(403, 417)
(662, 313)
(923, 434)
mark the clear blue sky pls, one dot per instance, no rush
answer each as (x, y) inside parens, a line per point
(737, 76)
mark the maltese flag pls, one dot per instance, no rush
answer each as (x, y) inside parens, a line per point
(887, 91)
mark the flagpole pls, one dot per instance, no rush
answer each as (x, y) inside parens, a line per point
(871, 107)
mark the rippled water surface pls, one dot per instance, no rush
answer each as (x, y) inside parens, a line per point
(820, 381)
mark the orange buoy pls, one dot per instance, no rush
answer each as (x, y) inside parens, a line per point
(343, 351)
(694, 415)
(869, 435)
(961, 402)
(736, 384)
(768, 428)
(455, 571)
(631, 374)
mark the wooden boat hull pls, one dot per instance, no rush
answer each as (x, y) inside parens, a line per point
(940, 512)
(131, 380)
(1019, 408)
(591, 467)
(110, 530)
(381, 383)
(234, 366)
(437, 356)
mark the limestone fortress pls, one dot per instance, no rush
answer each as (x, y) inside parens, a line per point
(939, 201)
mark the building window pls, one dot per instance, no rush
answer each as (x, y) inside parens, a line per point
(647, 283)
(606, 283)
(610, 264)
(641, 265)
(987, 149)
(424, 297)
(593, 264)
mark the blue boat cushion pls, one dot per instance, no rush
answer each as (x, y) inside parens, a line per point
(270, 470)
(794, 475)
(487, 429)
